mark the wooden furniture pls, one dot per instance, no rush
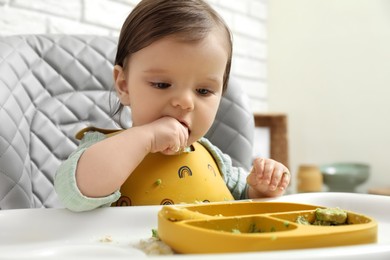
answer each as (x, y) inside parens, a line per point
(277, 123)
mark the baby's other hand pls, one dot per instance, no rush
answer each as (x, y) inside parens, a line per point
(268, 178)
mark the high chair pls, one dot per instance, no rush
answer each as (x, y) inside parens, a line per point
(51, 86)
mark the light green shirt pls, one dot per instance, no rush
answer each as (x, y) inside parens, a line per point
(71, 197)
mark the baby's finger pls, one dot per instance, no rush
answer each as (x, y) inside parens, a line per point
(258, 168)
(171, 150)
(276, 177)
(285, 180)
(268, 172)
(251, 179)
(184, 137)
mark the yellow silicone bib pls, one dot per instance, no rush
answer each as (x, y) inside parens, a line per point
(170, 179)
(188, 177)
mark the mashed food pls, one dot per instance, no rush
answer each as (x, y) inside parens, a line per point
(154, 246)
(326, 217)
(335, 216)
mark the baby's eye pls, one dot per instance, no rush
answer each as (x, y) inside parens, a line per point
(160, 85)
(204, 92)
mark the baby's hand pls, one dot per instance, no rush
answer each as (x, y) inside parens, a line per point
(169, 136)
(268, 178)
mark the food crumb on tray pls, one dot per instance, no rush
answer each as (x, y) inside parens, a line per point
(154, 246)
(106, 239)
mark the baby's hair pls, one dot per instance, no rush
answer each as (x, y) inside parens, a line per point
(151, 20)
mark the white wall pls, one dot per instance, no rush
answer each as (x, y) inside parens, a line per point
(246, 18)
(329, 63)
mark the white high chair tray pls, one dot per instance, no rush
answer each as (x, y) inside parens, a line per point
(61, 234)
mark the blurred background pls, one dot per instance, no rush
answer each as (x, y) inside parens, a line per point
(323, 63)
(328, 68)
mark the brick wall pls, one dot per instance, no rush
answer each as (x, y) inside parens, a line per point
(246, 18)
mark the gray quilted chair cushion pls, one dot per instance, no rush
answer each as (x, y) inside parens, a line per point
(233, 129)
(51, 86)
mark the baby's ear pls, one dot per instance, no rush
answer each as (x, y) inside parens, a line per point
(121, 85)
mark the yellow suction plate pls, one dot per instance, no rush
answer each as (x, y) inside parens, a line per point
(255, 226)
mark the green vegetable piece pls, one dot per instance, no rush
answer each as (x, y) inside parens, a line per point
(253, 228)
(333, 215)
(158, 182)
(155, 233)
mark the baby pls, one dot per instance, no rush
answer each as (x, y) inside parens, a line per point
(171, 69)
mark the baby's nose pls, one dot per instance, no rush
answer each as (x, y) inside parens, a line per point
(184, 101)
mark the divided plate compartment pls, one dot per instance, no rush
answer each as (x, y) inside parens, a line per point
(257, 226)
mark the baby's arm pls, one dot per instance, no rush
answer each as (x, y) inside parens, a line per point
(268, 178)
(65, 180)
(106, 165)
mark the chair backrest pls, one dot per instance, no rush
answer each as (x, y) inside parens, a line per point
(51, 86)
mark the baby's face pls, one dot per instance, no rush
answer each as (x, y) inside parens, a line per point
(178, 79)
